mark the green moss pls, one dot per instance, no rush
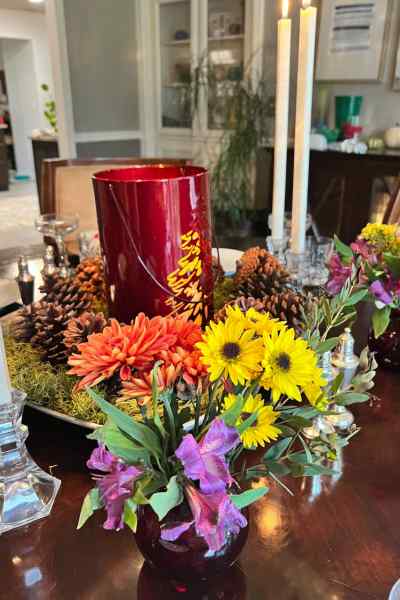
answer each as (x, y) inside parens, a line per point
(45, 386)
(223, 292)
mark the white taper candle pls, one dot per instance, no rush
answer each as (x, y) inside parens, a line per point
(281, 122)
(305, 78)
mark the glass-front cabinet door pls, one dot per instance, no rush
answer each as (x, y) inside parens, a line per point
(226, 21)
(175, 59)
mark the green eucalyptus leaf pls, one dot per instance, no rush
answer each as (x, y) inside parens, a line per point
(130, 516)
(233, 413)
(163, 502)
(356, 297)
(277, 468)
(91, 503)
(247, 423)
(278, 449)
(154, 386)
(380, 320)
(326, 346)
(343, 249)
(248, 497)
(351, 398)
(142, 434)
(313, 469)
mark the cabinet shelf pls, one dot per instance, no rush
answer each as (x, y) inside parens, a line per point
(222, 38)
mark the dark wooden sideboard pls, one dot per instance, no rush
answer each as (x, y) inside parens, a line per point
(340, 189)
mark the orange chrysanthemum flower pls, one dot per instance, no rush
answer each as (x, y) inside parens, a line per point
(123, 348)
(178, 364)
(187, 332)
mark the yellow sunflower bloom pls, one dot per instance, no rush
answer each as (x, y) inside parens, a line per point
(230, 350)
(314, 390)
(289, 364)
(262, 323)
(262, 431)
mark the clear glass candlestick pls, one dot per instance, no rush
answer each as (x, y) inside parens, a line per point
(26, 492)
(277, 247)
(58, 227)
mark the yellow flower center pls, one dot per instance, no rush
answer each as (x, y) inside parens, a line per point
(282, 361)
(231, 350)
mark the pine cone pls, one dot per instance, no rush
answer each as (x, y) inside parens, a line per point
(243, 303)
(23, 326)
(287, 306)
(65, 292)
(50, 321)
(89, 277)
(79, 328)
(260, 274)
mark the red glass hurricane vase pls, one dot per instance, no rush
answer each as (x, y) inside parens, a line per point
(154, 224)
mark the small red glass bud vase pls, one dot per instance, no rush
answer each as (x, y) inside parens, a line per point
(387, 345)
(188, 558)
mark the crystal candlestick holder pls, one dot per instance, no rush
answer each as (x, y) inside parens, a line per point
(277, 247)
(297, 265)
(26, 492)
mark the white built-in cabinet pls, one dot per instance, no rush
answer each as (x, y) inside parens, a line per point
(176, 36)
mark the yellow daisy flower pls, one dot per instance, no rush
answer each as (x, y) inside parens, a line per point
(263, 322)
(230, 350)
(289, 364)
(314, 390)
(262, 430)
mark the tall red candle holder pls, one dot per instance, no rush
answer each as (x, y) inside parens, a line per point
(155, 233)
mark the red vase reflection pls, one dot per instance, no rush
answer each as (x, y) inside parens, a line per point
(154, 224)
(230, 585)
(188, 559)
(387, 345)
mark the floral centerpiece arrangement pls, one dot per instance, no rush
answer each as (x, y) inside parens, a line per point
(219, 422)
(372, 263)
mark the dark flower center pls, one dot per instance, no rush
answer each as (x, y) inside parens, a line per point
(231, 350)
(283, 361)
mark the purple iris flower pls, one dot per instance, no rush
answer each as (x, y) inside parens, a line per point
(214, 515)
(380, 293)
(115, 486)
(205, 461)
(339, 273)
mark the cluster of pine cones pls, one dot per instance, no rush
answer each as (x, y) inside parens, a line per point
(62, 318)
(263, 283)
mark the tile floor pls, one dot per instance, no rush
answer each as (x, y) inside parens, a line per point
(18, 209)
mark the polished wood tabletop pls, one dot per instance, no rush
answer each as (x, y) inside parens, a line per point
(336, 539)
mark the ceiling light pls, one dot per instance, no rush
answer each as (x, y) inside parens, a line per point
(36, 1)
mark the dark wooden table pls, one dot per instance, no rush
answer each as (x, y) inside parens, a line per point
(336, 539)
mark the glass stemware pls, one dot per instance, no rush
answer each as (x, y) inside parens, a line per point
(58, 227)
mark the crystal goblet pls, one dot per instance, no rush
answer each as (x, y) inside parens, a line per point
(58, 227)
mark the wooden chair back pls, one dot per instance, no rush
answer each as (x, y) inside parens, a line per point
(67, 184)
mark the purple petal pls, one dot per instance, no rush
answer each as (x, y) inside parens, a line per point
(214, 516)
(380, 293)
(216, 476)
(188, 453)
(173, 532)
(101, 459)
(219, 439)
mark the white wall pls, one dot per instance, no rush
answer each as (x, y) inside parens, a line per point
(27, 66)
(381, 106)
